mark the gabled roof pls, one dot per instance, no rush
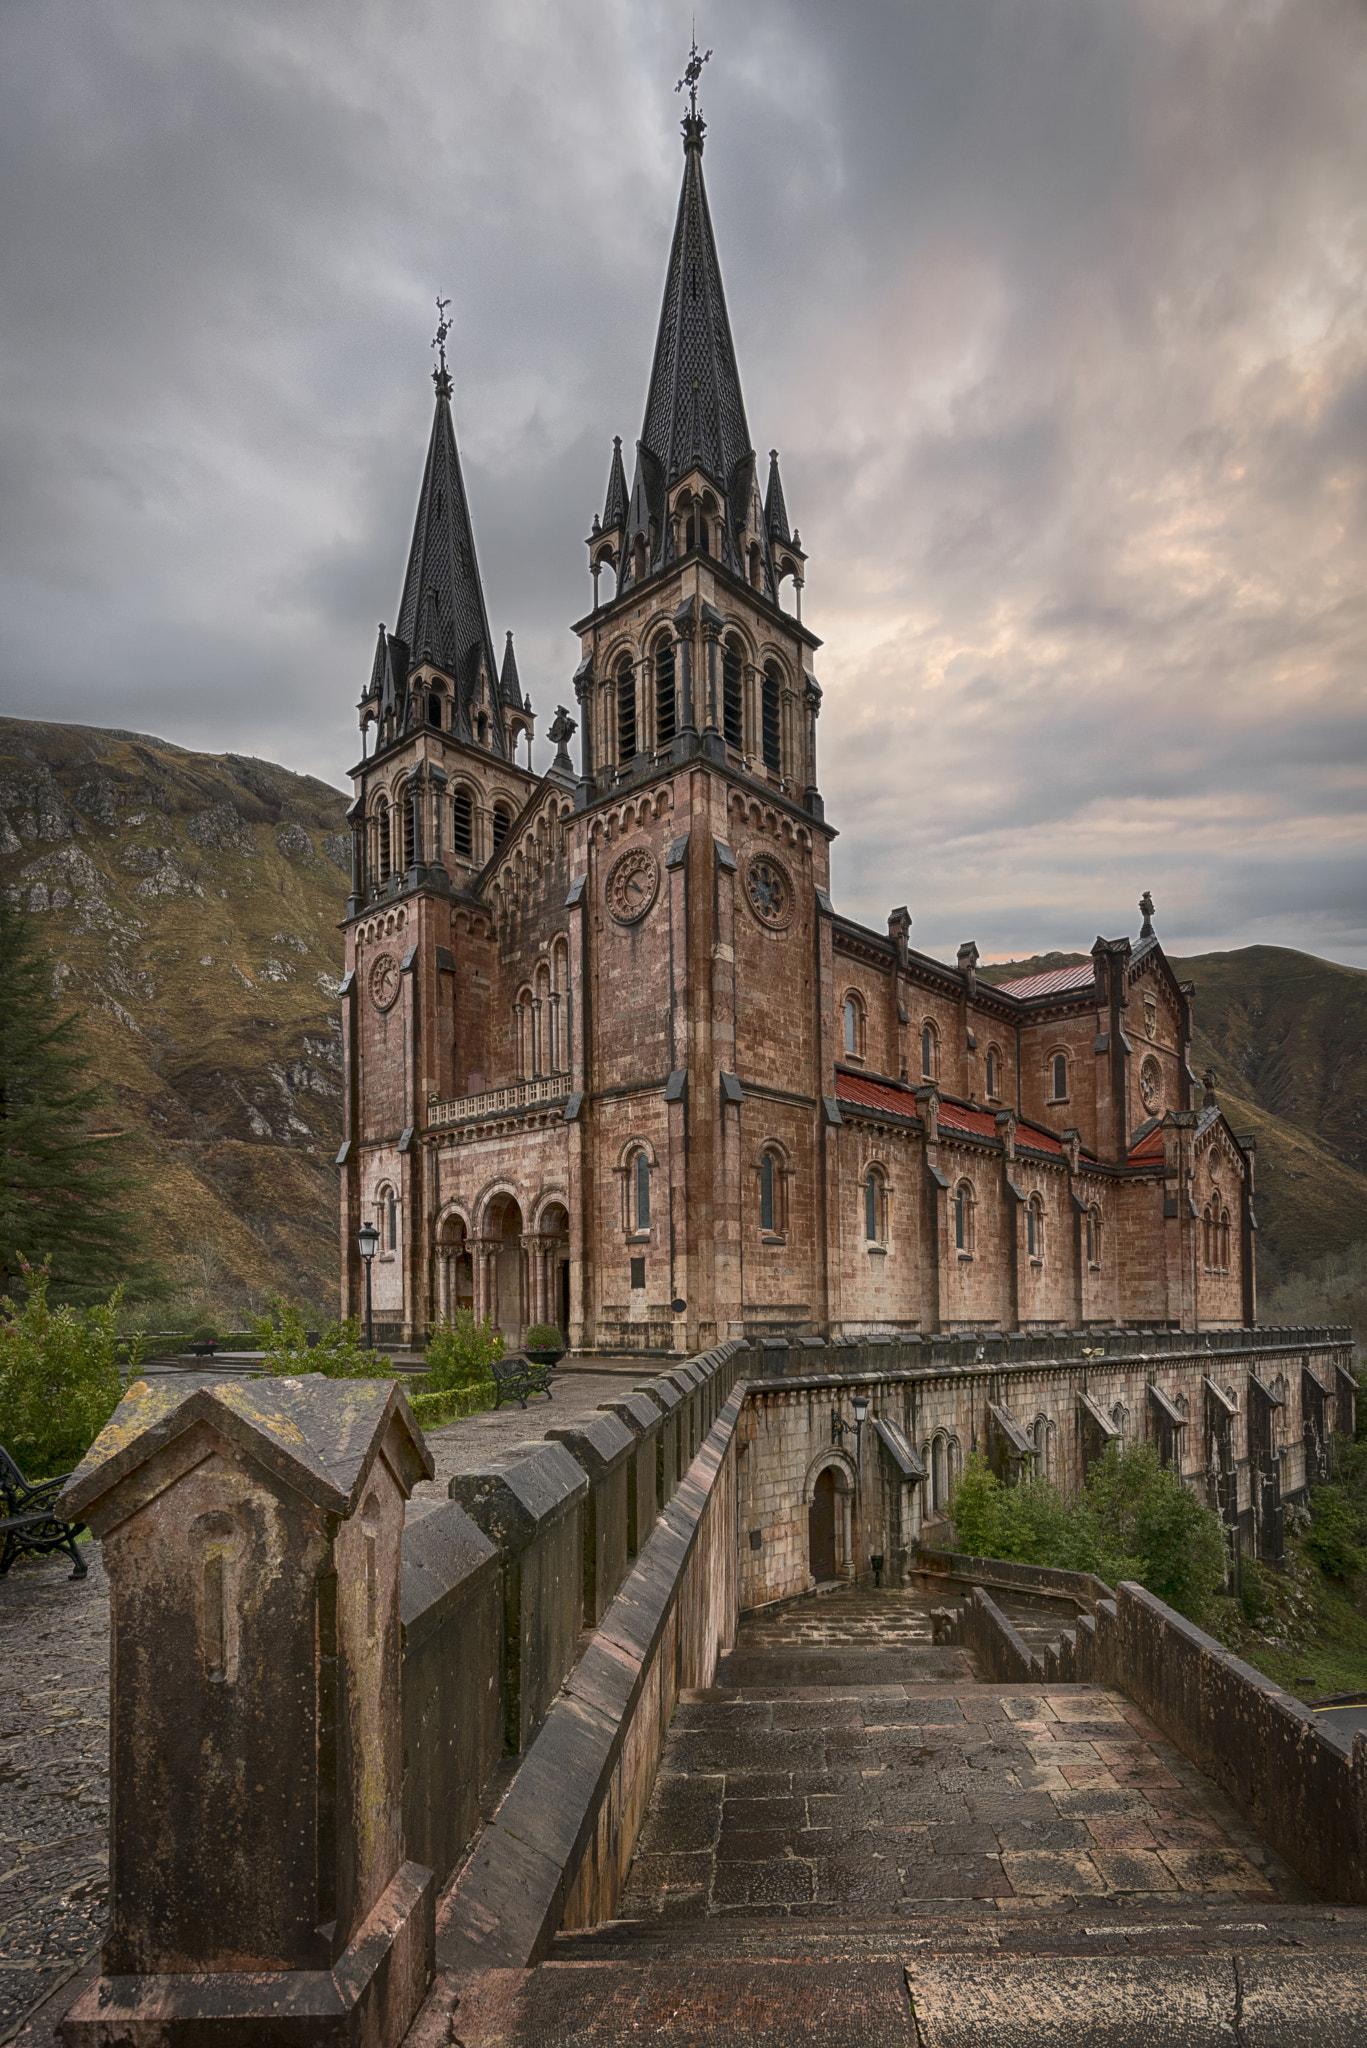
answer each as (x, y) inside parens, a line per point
(441, 613)
(1058, 981)
(695, 415)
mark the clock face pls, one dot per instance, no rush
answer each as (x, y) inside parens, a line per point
(384, 981)
(631, 886)
(769, 892)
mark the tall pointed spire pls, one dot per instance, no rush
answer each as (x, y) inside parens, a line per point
(442, 617)
(615, 504)
(695, 415)
(775, 511)
(509, 687)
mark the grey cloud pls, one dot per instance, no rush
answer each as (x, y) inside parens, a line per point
(1055, 312)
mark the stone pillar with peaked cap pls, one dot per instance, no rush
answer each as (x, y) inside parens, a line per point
(258, 1881)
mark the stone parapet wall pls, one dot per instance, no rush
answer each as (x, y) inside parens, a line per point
(1302, 1786)
(556, 1853)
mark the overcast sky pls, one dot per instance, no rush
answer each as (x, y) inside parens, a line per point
(1054, 309)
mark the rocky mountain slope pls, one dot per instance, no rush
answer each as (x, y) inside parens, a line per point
(1286, 1035)
(190, 903)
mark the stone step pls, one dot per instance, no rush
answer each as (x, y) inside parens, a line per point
(1276, 1978)
(851, 1667)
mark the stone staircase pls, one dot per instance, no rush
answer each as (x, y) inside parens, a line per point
(853, 1840)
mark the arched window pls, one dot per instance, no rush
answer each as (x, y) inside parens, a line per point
(383, 863)
(756, 565)
(503, 821)
(732, 700)
(770, 727)
(1094, 1236)
(1224, 1240)
(482, 729)
(462, 825)
(626, 714)
(665, 708)
(410, 829)
(641, 1194)
(1058, 1077)
(1034, 1227)
(875, 1207)
(854, 1025)
(433, 708)
(522, 1025)
(387, 1218)
(963, 1218)
(1207, 1258)
(930, 1051)
(773, 1192)
(994, 1073)
(939, 1472)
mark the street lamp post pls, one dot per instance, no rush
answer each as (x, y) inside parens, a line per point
(367, 1240)
(860, 1404)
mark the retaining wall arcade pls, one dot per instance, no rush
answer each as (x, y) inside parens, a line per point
(1247, 1417)
(1302, 1786)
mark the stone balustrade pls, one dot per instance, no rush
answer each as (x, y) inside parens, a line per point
(515, 1095)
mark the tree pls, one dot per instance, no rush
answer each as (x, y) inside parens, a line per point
(67, 1191)
(61, 1375)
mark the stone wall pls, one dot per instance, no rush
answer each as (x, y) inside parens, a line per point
(1302, 1786)
(1064, 1394)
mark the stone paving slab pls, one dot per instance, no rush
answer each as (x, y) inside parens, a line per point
(834, 1801)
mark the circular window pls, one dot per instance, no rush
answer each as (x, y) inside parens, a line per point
(1151, 1086)
(769, 892)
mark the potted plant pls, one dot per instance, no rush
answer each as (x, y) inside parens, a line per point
(544, 1344)
(203, 1340)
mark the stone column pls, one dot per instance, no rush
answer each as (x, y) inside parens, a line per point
(252, 1535)
(847, 1566)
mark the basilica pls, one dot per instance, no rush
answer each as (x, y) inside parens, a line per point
(614, 1058)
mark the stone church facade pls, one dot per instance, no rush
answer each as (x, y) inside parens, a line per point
(615, 1061)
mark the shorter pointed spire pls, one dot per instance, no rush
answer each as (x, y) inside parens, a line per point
(378, 666)
(615, 503)
(775, 511)
(509, 688)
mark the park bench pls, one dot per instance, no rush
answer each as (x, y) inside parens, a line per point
(28, 1523)
(517, 1375)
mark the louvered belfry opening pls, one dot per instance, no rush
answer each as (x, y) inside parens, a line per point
(666, 706)
(462, 826)
(732, 700)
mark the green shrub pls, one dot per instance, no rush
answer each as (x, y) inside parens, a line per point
(60, 1375)
(1335, 1536)
(1029, 1524)
(204, 1333)
(461, 1353)
(283, 1336)
(1134, 1519)
(543, 1337)
(1151, 1527)
(448, 1404)
(1254, 1597)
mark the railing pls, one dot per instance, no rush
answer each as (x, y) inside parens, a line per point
(517, 1095)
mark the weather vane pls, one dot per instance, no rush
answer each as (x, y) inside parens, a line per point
(439, 376)
(692, 73)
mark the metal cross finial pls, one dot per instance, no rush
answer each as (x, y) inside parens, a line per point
(440, 376)
(692, 73)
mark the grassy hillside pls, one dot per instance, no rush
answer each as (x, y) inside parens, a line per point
(190, 903)
(1287, 1037)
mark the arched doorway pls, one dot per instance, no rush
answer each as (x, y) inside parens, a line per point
(821, 1528)
(455, 1276)
(508, 1269)
(554, 1304)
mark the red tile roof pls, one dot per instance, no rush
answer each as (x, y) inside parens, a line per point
(954, 1116)
(1059, 981)
(1150, 1147)
(875, 1094)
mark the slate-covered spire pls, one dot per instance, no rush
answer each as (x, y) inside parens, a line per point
(775, 511)
(615, 504)
(441, 613)
(695, 416)
(509, 688)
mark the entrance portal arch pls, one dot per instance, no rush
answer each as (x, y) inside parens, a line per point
(831, 1493)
